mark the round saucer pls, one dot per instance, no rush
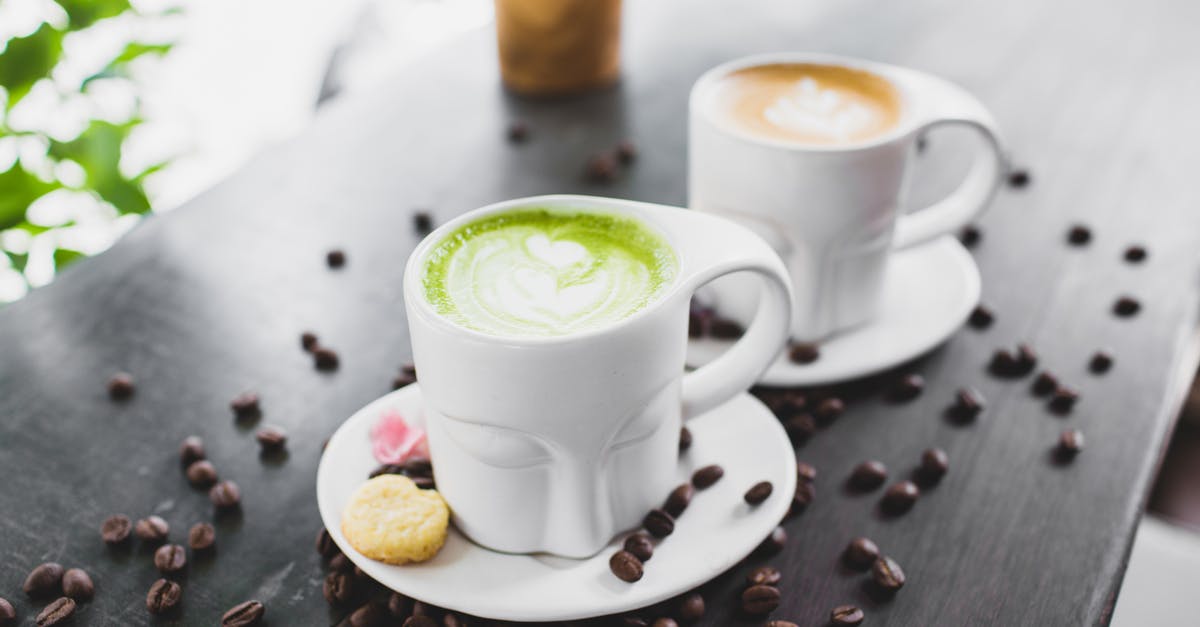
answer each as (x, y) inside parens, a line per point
(717, 530)
(928, 292)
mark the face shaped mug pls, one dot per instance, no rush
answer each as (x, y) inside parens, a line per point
(551, 427)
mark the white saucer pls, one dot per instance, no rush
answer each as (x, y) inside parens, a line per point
(928, 293)
(717, 530)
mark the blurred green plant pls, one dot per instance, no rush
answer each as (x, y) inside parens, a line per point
(28, 60)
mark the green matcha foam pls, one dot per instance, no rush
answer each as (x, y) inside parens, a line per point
(539, 272)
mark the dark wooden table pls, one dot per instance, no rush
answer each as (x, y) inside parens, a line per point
(1097, 98)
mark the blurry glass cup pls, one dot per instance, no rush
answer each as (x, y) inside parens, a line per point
(550, 47)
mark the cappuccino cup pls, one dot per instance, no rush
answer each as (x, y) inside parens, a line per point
(550, 334)
(813, 153)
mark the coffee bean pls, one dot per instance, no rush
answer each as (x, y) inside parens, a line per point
(418, 467)
(724, 329)
(77, 584)
(602, 168)
(634, 621)
(685, 439)
(424, 483)
(325, 544)
(968, 404)
(1004, 364)
(758, 493)
(342, 563)
(402, 380)
(1044, 384)
(800, 427)
(225, 495)
(1018, 178)
(698, 322)
(308, 341)
(780, 623)
(764, 576)
(829, 409)
(908, 388)
(365, 616)
(422, 222)
(163, 597)
(691, 608)
(803, 497)
(454, 620)
(1070, 443)
(887, 574)
(659, 523)
(1026, 359)
(846, 615)
(760, 600)
(44, 580)
(860, 554)
(201, 474)
(335, 258)
(868, 475)
(419, 621)
(804, 353)
(386, 469)
(900, 497)
(115, 529)
(398, 605)
(1100, 362)
(8, 614)
(640, 545)
(1135, 254)
(202, 537)
(981, 317)
(325, 359)
(271, 439)
(244, 614)
(120, 386)
(626, 566)
(152, 529)
(518, 131)
(170, 559)
(1063, 400)
(1079, 235)
(245, 405)
(421, 608)
(338, 587)
(665, 621)
(773, 543)
(1126, 306)
(970, 235)
(705, 477)
(191, 450)
(934, 464)
(56, 613)
(679, 499)
(805, 472)
(626, 151)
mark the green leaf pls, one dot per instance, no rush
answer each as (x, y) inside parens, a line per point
(84, 13)
(18, 189)
(98, 151)
(28, 59)
(64, 257)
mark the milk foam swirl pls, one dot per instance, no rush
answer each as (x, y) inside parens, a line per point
(814, 110)
(538, 272)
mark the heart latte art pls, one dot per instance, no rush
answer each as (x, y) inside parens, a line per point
(534, 272)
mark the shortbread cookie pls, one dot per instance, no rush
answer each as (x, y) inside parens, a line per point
(391, 520)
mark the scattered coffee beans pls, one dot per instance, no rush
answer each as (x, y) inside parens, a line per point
(335, 258)
(342, 563)
(640, 545)
(1079, 235)
(764, 576)
(163, 597)
(339, 586)
(659, 523)
(308, 341)
(800, 427)
(900, 497)
(271, 439)
(368, 616)
(77, 584)
(758, 493)
(1101, 362)
(724, 329)
(805, 472)
(152, 529)
(773, 543)
(626, 152)
(325, 359)
(202, 537)
(804, 353)
(602, 168)
(665, 621)
(1063, 400)
(518, 131)
(325, 545)
(398, 605)
(907, 388)
(1070, 443)
(804, 495)
(201, 474)
(760, 600)
(887, 574)
(626, 566)
(191, 450)
(8, 614)
(1135, 254)
(846, 615)
(868, 475)
(634, 621)
(781, 623)
(981, 317)
(1003, 363)
(422, 222)
(1126, 306)
(829, 409)
(707, 476)
(1026, 359)
(860, 554)
(691, 608)
(970, 235)
(56, 613)
(245, 405)
(968, 404)
(1044, 384)
(1019, 178)
(934, 464)
(225, 495)
(116, 529)
(685, 439)
(120, 386)
(678, 499)
(170, 559)
(244, 615)
(419, 621)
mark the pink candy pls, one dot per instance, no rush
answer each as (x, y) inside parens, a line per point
(394, 441)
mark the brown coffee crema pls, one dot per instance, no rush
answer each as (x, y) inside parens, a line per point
(807, 103)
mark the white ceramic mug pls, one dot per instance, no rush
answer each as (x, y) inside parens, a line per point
(556, 444)
(833, 212)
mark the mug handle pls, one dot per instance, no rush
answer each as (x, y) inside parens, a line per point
(953, 105)
(710, 247)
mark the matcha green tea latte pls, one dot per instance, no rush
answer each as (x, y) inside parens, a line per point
(535, 272)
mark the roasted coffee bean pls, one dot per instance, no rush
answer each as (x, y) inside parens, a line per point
(201, 474)
(518, 131)
(934, 464)
(191, 450)
(1070, 443)
(1026, 359)
(868, 475)
(970, 235)
(386, 469)
(659, 523)
(724, 329)
(685, 439)
(271, 439)
(691, 608)
(418, 467)
(887, 574)
(845, 615)
(634, 621)
(1079, 235)
(170, 559)
(805, 472)
(1019, 178)
(626, 566)
(1004, 364)
(678, 499)
(1063, 400)
(115, 529)
(422, 222)
(1101, 362)
(968, 404)
(804, 353)
(1044, 384)
(56, 613)
(764, 576)
(419, 621)
(800, 427)
(398, 605)
(246, 405)
(602, 168)
(325, 545)
(202, 537)
(225, 495)
(77, 584)
(342, 563)
(760, 600)
(335, 258)
(325, 359)
(758, 493)
(454, 620)
(44, 580)
(780, 623)
(338, 587)
(420, 608)
(908, 388)
(308, 341)
(981, 317)
(424, 483)
(900, 497)
(163, 597)
(1126, 306)
(707, 476)
(402, 380)
(365, 616)
(244, 614)
(1135, 254)
(8, 614)
(829, 409)
(860, 554)
(626, 151)
(803, 497)
(773, 543)
(640, 545)
(120, 386)
(665, 621)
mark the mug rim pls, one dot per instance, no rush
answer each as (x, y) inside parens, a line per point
(908, 123)
(419, 305)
